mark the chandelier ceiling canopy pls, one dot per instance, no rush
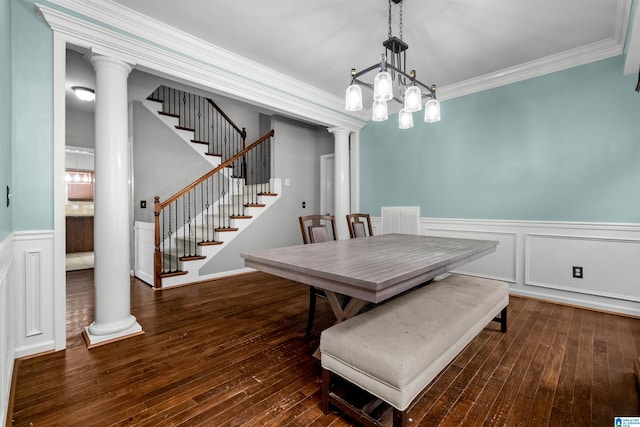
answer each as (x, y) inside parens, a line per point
(392, 82)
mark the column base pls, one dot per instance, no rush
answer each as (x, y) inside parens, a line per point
(92, 340)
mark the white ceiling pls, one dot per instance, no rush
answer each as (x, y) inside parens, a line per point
(450, 41)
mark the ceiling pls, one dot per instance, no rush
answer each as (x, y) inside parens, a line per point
(450, 41)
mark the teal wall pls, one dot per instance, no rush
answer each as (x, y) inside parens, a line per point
(32, 148)
(561, 147)
(5, 115)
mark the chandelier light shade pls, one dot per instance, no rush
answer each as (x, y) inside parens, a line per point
(383, 87)
(432, 111)
(84, 93)
(405, 119)
(379, 111)
(413, 99)
(392, 76)
(353, 99)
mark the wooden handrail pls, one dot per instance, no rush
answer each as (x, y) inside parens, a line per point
(243, 132)
(216, 170)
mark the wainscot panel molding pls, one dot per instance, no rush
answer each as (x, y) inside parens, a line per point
(610, 267)
(144, 251)
(34, 294)
(7, 330)
(537, 259)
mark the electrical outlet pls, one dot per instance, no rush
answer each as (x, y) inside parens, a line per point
(577, 272)
(304, 205)
(143, 204)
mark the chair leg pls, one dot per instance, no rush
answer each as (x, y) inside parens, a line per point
(312, 309)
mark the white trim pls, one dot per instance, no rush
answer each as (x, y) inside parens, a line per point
(162, 49)
(7, 329)
(611, 275)
(531, 263)
(118, 32)
(573, 225)
(59, 193)
(35, 317)
(550, 64)
(632, 63)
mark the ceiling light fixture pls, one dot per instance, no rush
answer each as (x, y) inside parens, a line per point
(393, 75)
(84, 93)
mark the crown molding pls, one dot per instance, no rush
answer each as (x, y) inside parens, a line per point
(550, 64)
(108, 28)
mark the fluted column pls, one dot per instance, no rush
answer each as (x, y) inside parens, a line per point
(113, 319)
(342, 179)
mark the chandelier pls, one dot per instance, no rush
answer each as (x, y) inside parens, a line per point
(392, 76)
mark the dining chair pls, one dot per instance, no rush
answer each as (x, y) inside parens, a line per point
(359, 225)
(316, 229)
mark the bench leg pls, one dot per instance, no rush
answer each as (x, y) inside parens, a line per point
(400, 418)
(326, 384)
(503, 320)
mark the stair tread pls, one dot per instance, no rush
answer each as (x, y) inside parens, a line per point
(240, 216)
(185, 128)
(223, 229)
(210, 243)
(177, 116)
(255, 205)
(191, 257)
(195, 141)
(213, 154)
(267, 194)
(151, 98)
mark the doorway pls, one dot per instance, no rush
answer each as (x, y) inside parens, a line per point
(327, 184)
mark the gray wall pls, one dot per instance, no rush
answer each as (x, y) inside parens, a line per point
(162, 162)
(298, 148)
(80, 128)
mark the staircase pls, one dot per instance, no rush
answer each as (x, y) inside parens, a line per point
(196, 223)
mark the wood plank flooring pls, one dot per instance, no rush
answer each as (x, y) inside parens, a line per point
(233, 352)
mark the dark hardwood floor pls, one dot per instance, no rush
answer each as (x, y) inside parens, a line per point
(233, 352)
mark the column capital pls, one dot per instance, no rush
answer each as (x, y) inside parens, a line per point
(339, 131)
(97, 60)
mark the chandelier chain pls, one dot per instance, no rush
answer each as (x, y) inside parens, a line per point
(389, 18)
(401, 20)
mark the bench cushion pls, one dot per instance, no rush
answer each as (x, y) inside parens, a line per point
(394, 350)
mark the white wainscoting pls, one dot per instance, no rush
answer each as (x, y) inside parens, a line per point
(144, 250)
(7, 314)
(34, 293)
(537, 259)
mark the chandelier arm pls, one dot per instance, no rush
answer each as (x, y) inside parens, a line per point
(396, 69)
(365, 84)
(366, 70)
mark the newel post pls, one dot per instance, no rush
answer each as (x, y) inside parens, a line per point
(157, 255)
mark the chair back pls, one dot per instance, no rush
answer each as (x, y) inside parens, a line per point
(359, 225)
(318, 228)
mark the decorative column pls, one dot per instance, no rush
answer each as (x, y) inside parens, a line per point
(112, 281)
(342, 180)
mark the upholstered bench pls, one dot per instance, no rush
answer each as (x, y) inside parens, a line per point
(396, 349)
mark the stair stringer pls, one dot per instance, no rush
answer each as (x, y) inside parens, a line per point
(155, 107)
(193, 266)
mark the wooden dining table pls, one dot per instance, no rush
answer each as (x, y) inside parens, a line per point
(370, 269)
